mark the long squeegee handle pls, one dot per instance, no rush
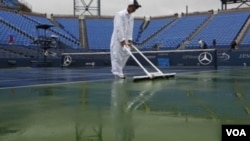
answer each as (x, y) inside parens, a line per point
(134, 47)
(131, 54)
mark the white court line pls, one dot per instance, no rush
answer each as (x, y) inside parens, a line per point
(93, 74)
(80, 72)
(73, 82)
(54, 78)
(54, 84)
(82, 75)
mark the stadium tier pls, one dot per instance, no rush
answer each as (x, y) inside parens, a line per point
(152, 28)
(176, 32)
(71, 25)
(92, 33)
(64, 36)
(98, 33)
(137, 29)
(224, 27)
(26, 25)
(10, 3)
(165, 32)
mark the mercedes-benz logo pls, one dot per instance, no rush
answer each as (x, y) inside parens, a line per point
(205, 58)
(67, 60)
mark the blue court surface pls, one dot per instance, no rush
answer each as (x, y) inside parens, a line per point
(25, 77)
(88, 104)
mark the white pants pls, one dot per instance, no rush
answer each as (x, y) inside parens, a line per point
(119, 57)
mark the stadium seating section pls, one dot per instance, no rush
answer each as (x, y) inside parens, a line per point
(9, 3)
(223, 27)
(98, 33)
(94, 33)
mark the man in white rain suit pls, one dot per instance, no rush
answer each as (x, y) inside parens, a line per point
(122, 36)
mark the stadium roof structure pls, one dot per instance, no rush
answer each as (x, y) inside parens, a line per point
(82, 7)
(224, 3)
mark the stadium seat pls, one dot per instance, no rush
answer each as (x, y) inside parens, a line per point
(71, 25)
(99, 32)
(224, 27)
(175, 33)
(153, 27)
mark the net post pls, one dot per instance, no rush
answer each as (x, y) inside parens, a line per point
(215, 60)
(62, 60)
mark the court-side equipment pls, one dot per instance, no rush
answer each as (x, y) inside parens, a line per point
(149, 75)
(50, 53)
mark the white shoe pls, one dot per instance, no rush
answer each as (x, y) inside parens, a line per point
(120, 77)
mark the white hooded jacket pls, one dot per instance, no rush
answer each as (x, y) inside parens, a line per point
(122, 31)
(123, 27)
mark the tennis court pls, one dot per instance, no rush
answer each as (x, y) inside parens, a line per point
(88, 104)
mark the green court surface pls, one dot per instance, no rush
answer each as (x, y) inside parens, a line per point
(191, 106)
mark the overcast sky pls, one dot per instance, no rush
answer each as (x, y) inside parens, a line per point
(109, 7)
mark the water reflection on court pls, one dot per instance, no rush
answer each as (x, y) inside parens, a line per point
(191, 106)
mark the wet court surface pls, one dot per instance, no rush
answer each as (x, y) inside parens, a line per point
(81, 107)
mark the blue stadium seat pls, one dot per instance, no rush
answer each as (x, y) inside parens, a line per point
(15, 20)
(136, 30)
(71, 25)
(224, 27)
(19, 39)
(99, 33)
(64, 36)
(153, 26)
(176, 33)
(11, 3)
(25, 25)
(166, 32)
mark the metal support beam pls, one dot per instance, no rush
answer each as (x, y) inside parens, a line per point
(87, 7)
(224, 3)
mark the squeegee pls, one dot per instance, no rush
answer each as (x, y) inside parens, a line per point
(149, 75)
